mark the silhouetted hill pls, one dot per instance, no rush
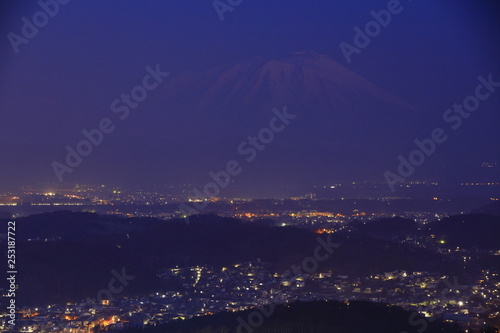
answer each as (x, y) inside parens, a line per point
(493, 208)
(77, 226)
(317, 317)
(387, 227)
(469, 231)
(80, 264)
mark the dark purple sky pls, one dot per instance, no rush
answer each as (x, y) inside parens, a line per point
(65, 78)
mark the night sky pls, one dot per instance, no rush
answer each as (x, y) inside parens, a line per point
(64, 79)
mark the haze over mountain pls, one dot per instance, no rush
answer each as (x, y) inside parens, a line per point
(225, 79)
(346, 128)
(308, 83)
(342, 113)
(354, 129)
(300, 79)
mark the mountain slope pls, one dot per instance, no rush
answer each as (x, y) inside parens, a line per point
(298, 79)
(350, 122)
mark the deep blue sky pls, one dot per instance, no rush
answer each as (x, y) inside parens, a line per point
(64, 79)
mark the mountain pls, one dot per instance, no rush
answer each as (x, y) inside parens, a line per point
(300, 80)
(306, 82)
(350, 122)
